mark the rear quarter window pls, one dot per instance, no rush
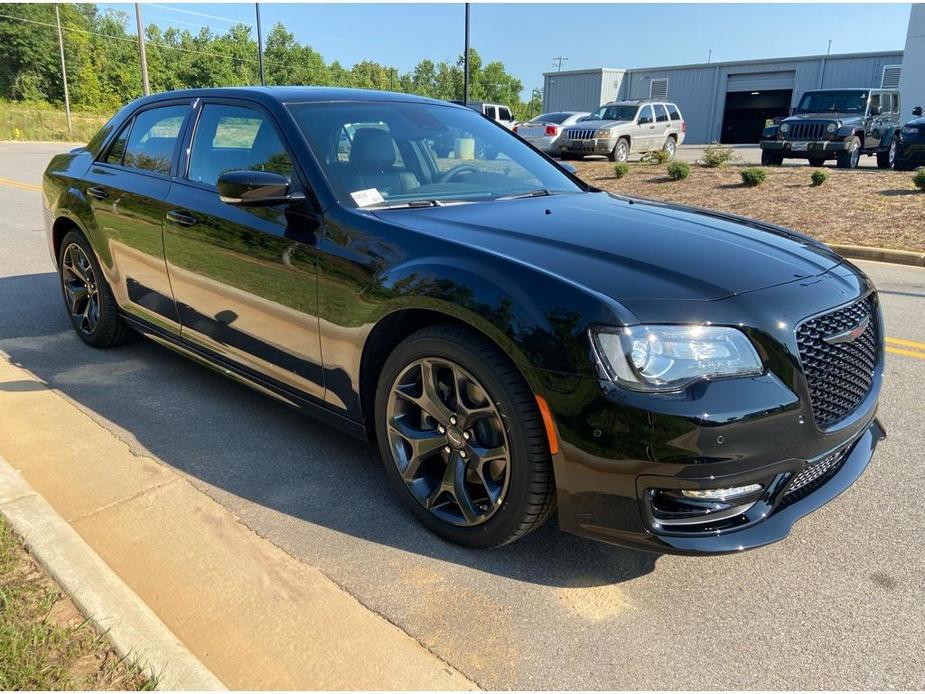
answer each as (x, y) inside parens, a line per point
(673, 112)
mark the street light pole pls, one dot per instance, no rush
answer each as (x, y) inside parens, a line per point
(260, 46)
(466, 62)
(67, 99)
(145, 87)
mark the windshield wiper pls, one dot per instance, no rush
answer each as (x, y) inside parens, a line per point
(538, 193)
(413, 204)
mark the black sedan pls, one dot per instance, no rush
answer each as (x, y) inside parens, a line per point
(513, 340)
(911, 151)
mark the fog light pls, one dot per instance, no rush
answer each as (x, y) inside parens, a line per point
(721, 494)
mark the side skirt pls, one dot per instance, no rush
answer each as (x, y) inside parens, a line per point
(207, 358)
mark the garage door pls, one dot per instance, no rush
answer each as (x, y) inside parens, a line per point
(760, 81)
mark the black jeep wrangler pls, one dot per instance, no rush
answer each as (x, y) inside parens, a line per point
(840, 124)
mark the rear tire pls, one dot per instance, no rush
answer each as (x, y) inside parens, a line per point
(89, 301)
(520, 495)
(886, 159)
(849, 159)
(671, 147)
(771, 158)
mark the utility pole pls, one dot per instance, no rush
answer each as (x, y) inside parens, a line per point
(828, 51)
(67, 99)
(710, 56)
(263, 81)
(557, 61)
(466, 62)
(145, 87)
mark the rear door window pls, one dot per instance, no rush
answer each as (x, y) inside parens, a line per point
(661, 114)
(153, 138)
(491, 113)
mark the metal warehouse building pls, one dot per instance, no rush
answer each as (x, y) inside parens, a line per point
(727, 102)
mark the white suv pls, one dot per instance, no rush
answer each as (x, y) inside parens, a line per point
(497, 112)
(622, 128)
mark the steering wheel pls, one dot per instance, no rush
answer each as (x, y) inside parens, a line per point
(456, 170)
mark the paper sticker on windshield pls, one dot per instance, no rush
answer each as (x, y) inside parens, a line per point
(370, 196)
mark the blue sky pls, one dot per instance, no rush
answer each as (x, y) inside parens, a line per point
(526, 37)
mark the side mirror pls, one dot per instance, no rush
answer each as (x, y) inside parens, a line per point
(875, 110)
(568, 167)
(253, 188)
(917, 111)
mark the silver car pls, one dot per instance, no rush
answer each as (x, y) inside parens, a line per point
(622, 128)
(544, 131)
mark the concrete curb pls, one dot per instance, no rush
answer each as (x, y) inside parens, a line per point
(884, 255)
(134, 629)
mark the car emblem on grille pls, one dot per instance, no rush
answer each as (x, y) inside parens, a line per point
(848, 335)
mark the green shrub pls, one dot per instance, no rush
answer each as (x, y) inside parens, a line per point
(919, 179)
(753, 176)
(678, 171)
(819, 177)
(620, 169)
(716, 155)
(656, 156)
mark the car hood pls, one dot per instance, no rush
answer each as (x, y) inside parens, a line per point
(596, 124)
(825, 115)
(628, 249)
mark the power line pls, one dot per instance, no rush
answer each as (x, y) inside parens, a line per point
(202, 14)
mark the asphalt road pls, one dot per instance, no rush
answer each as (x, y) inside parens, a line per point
(839, 604)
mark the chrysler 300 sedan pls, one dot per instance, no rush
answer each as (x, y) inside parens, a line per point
(516, 342)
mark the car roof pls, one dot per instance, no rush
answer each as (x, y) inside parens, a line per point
(294, 95)
(637, 102)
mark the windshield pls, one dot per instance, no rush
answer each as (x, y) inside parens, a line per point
(624, 112)
(378, 153)
(551, 118)
(848, 101)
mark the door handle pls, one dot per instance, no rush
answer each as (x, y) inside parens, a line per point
(98, 193)
(181, 218)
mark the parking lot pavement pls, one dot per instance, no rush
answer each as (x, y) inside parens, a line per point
(838, 604)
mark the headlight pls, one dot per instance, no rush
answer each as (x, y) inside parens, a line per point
(831, 128)
(785, 128)
(604, 134)
(659, 358)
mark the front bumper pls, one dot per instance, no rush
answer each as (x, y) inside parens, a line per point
(622, 454)
(595, 146)
(812, 148)
(911, 152)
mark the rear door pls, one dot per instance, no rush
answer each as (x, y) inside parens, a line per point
(127, 188)
(245, 278)
(662, 125)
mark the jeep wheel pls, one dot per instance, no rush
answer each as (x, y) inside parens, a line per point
(771, 158)
(671, 147)
(886, 160)
(621, 151)
(816, 161)
(849, 159)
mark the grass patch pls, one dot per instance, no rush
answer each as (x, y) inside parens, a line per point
(44, 641)
(39, 122)
(841, 211)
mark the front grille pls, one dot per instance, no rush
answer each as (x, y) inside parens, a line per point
(839, 375)
(807, 131)
(581, 134)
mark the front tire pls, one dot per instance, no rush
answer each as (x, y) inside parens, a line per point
(621, 151)
(849, 159)
(88, 298)
(462, 439)
(771, 158)
(817, 161)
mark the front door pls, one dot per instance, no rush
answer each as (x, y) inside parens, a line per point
(873, 123)
(128, 187)
(244, 278)
(645, 131)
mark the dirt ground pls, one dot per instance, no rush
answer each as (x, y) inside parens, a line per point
(866, 207)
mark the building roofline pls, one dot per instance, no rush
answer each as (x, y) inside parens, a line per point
(759, 61)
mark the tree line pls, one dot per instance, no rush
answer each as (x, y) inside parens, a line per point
(103, 64)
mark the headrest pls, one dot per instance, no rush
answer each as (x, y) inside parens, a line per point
(373, 149)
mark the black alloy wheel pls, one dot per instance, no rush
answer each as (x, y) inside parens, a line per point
(88, 298)
(462, 438)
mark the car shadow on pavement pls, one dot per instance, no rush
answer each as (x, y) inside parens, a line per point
(251, 447)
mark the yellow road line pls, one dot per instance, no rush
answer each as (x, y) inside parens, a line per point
(19, 184)
(906, 352)
(905, 343)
